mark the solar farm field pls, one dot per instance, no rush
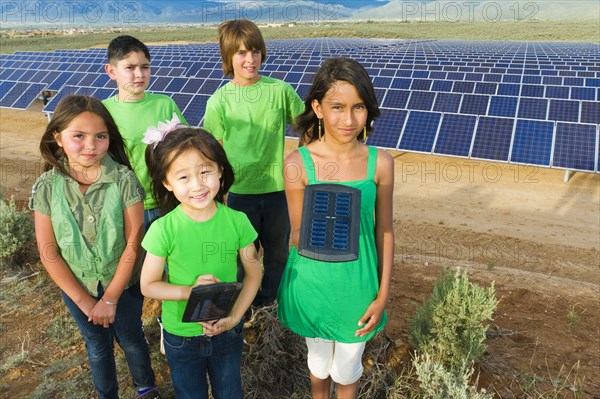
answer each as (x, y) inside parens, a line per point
(482, 133)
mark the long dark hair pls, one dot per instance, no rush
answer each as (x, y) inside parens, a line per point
(67, 109)
(174, 144)
(331, 71)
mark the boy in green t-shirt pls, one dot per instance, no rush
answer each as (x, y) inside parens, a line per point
(134, 109)
(248, 116)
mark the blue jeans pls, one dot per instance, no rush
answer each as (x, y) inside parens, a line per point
(150, 215)
(190, 358)
(127, 330)
(269, 216)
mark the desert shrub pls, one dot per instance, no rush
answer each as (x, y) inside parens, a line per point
(450, 324)
(16, 230)
(436, 382)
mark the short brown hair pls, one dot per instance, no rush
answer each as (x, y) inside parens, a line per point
(234, 33)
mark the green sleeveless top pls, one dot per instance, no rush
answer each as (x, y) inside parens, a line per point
(326, 299)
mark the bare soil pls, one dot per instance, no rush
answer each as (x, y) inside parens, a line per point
(523, 228)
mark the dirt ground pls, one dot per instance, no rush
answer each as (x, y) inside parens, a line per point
(523, 228)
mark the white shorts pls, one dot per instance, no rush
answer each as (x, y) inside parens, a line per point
(343, 362)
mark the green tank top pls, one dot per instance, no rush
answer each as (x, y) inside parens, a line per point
(326, 299)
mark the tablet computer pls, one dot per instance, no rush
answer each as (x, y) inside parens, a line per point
(211, 302)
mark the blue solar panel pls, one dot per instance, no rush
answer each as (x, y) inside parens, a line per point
(486, 88)
(592, 82)
(420, 131)
(456, 133)
(533, 108)
(533, 142)
(447, 102)
(564, 110)
(442, 85)
(176, 85)
(396, 98)
(421, 84)
(421, 100)
(493, 138)
(5, 87)
(463, 87)
(583, 93)
(380, 81)
(195, 110)
(557, 92)
(160, 83)
(590, 112)
(573, 149)
(64, 91)
(474, 104)
(104, 93)
(532, 91)
(388, 128)
(302, 90)
(181, 99)
(503, 106)
(21, 95)
(508, 89)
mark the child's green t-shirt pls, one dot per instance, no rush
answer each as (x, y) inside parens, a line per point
(251, 122)
(133, 119)
(194, 248)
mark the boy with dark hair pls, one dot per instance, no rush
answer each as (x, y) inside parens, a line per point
(134, 109)
(248, 116)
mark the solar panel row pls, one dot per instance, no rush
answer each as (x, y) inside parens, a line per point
(529, 103)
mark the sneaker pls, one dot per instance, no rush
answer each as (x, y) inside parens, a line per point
(151, 394)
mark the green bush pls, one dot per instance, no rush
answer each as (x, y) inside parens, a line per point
(449, 326)
(16, 230)
(436, 382)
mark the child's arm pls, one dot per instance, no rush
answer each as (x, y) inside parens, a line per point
(384, 239)
(252, 278)
(133, 219)
(56, 266)
(294, 180)
(154, 286)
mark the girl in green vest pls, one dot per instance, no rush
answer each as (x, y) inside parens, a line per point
(89, 214)
(338, 306)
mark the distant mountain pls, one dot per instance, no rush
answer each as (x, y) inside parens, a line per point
(68, 13)
(123, 12)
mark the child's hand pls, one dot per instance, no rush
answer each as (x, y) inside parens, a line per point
(206, 279)
(216, 327)
(370, 318)
(103, 314)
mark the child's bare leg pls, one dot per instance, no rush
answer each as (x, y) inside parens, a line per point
(320, 387)
(347, 391)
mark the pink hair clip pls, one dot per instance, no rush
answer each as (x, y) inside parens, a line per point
(155, 135)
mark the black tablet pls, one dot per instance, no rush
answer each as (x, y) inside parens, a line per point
(211, 302)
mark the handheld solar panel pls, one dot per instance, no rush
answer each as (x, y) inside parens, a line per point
(330, 224)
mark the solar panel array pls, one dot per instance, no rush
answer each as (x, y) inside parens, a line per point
(520, 102)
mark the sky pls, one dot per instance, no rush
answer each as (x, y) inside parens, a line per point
(59, 13)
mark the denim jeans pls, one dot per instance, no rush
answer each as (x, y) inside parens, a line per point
(269, 216)
(190, 358)
(127, 330)
(150, 215)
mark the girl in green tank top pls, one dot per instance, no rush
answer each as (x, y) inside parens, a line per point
(338, 306)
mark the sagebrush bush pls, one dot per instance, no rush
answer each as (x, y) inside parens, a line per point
(450, 324)
(16, 229)
(436, 382)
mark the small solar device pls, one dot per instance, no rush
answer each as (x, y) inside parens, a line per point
(211, 301)
(330, 224)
